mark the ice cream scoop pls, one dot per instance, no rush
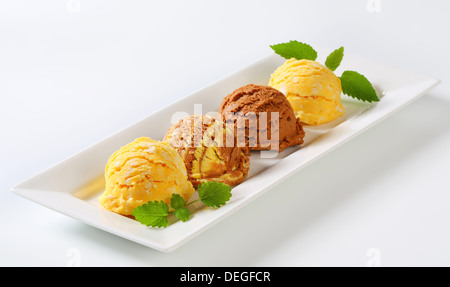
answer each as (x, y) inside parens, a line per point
(313, 90)
(209, 150)
(262, 117)
(142, 171)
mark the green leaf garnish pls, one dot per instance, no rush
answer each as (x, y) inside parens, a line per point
(295, 49)
(183, 214)
(214, 194)
(153, 214)
(357, 86)
(334, 59)
(177, 201)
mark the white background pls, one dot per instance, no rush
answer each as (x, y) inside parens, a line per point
(74, 72)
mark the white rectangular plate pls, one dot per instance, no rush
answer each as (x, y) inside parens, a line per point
(72, 187)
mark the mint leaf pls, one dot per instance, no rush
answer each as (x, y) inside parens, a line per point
(153, 214)
(357, 86)
(177, 201)
(334, 59)
(214, 194)
(295, 49)
(183, 214)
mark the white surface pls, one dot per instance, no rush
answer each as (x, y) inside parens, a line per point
(385, 199)
(68, 187)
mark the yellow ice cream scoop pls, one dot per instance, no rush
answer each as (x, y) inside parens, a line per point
(142, 171)
(313, 90)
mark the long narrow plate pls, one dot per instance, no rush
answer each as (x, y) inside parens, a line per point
(72, 187)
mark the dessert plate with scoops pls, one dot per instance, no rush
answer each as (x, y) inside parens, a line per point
(166, 183)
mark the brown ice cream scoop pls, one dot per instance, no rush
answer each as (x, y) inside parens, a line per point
(262, 117)
(209, 150)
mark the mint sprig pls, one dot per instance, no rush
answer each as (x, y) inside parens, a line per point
(353, 83)
(155, 213)
(295, 49)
